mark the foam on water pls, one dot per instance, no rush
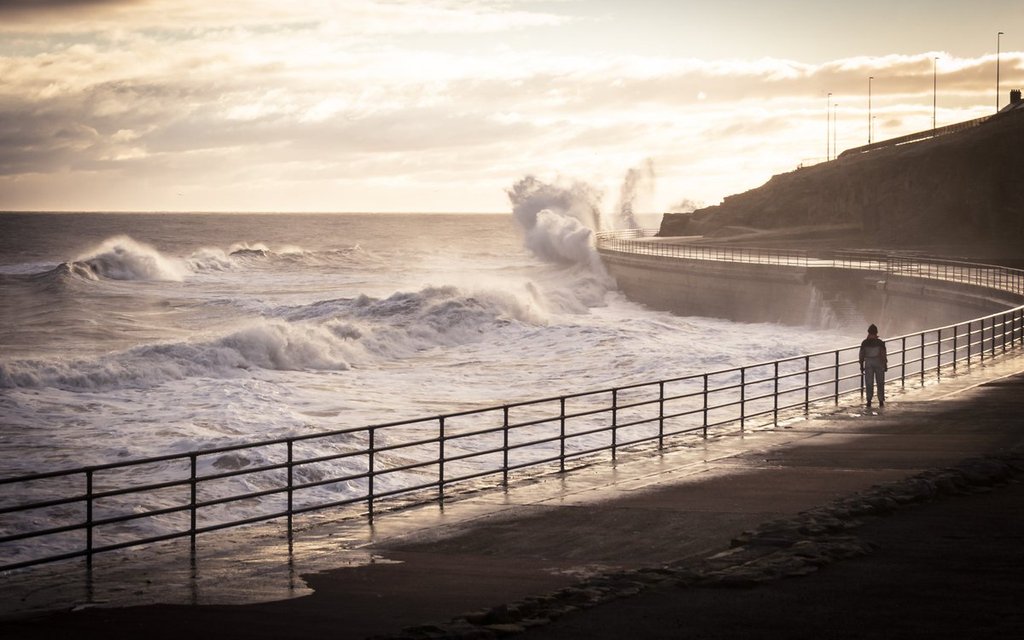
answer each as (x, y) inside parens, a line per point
(237, 329)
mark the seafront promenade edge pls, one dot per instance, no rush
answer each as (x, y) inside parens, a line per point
(549, 547)
(633, 522)
(91, 511)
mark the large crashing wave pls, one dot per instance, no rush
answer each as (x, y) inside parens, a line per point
(558, 221)
(122, 258)
(329, 335)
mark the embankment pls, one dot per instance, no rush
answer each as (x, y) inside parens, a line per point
(960, 194)
(813, 296)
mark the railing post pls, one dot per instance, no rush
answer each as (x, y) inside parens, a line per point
(615, 421)
(371, 470)
(504, 444)
(837, 377)
(775, 397)
(922, 358)
(938, 358)
(193, 491)
(1016, 327)
(981, 341)
(705, 406)
(956, 346)
(661, 414)
(561, 436)
(807, 384)
(290, 489)
(970, 339)
(440, 460)
(88, 518)
(743, 397)
(1013, 328)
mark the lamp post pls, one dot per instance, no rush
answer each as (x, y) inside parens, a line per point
(835, 149)
(935, 88)
(998, 36)
(870, 78)
(828, 124)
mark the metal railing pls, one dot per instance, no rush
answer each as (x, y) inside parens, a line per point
(986, 276)
(918, 136)
(78, 513)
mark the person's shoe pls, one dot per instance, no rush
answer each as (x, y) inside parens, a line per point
(868, 404)
(881, 403)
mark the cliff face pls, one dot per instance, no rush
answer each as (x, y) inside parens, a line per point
(964, 188)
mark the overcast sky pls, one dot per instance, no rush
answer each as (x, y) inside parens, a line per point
(441, 105)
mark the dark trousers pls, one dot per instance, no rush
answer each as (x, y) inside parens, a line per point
(874, 373)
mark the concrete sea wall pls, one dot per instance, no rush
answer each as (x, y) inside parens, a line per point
(820, 297)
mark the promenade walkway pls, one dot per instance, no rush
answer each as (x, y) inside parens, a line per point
(554, 547)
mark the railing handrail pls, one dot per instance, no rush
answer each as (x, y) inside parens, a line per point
(732, 396)
(629, 242)
(915, 137)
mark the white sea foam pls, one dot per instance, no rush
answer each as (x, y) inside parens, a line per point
(122, 258)
(558, 221)
(328, 323)
(325, 335)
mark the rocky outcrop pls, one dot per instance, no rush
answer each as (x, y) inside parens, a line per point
(964, 187)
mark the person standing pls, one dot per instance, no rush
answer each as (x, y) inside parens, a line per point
(873, 363)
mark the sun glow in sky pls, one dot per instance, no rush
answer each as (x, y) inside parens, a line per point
(441, 105)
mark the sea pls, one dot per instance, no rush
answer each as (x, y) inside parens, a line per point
(126, 335)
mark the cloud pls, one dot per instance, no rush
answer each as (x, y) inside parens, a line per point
(339, 93)
(335, 18)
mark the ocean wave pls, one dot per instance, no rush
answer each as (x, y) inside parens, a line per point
(123, 258)
(55, 279)
(559, 221)
(328, 335)
(244, 255)
(263, 344)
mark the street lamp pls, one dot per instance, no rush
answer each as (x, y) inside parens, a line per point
(828, 124)
(935, 87)
(870, 78)
(998, 36)
(835, 149)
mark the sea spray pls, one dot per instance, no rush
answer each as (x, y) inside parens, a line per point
(558, 221)
(636, 190)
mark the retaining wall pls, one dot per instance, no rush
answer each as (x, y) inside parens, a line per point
(820, 297)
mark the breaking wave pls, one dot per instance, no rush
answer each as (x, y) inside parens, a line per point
(122, 258)
(558, 221)
(245, 255)
(324, 336)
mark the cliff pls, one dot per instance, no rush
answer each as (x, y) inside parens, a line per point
(961, 193)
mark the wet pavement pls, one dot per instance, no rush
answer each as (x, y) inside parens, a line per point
(430, 564)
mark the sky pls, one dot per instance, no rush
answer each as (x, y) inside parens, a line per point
(442, 105)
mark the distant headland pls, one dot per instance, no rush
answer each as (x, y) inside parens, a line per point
(958, 194)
